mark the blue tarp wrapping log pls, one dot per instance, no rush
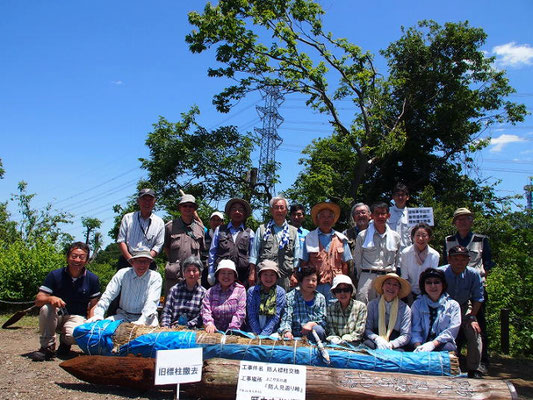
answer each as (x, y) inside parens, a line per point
(97, 339)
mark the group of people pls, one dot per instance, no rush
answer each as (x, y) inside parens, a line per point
(377, 284)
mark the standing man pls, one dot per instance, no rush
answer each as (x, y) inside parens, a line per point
(215, 220)
(233, 241)
(277, 241)
(480, 259)
(465, 287)
(377, 249)
(360, 219)
(139, 288)
(67, 298)
(398, 214)
(297, 214)
(141, 230)
(184, 237)
(325, 248)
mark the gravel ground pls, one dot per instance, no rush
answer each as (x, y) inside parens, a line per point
(25, 379)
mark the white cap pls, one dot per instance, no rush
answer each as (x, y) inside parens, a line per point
(226, 264)
(342, 279)
(218, 214)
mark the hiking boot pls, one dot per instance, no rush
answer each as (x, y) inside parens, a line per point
(475, 375)
(63, 350)
(43, 354)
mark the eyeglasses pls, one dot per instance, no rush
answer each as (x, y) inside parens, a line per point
(342, 290)
(81, 257)
(433, 282)
(187, 205)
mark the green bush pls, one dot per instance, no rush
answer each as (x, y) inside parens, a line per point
(104, 271)
(23, 268)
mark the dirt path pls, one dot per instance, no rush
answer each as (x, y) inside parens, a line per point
(24, 379)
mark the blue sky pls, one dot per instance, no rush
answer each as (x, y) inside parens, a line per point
(81, 84)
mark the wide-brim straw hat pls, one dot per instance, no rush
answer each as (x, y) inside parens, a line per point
(405, 287)
(244, 203)
(325, 205)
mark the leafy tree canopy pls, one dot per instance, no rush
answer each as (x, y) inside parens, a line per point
(418, 123)
(211, 165)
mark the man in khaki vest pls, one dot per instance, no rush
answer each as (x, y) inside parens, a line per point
(184, 237)
(325, 248)
(480, 259)
(277, 241)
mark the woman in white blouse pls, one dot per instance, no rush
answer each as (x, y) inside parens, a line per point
(418, 257)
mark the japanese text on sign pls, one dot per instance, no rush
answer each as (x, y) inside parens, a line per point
(265, 381)
(178, 366)
(420, 214)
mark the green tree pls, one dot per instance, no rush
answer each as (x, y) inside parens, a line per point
(448, 94)
(211, 165)
(282, 43)
(2, 170)
(92, 237)
(36, 223)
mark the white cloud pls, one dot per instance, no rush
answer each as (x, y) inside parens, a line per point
(498, 143)
(513, 55)
(118, 82)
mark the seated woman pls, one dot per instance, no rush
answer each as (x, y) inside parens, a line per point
(388, 325)
(436, 316)
(305, 311)
(266, 300)
(184, 299)
(346, 317)
(417, 257)
(224, 305)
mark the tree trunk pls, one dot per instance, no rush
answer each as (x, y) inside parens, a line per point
(220, 377)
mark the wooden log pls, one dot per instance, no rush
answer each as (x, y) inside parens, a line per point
(220, 377)
(133, 372)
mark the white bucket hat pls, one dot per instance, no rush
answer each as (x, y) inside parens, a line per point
(342, 279)
(226, 264)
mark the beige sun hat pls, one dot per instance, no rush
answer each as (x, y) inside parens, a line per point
(405, 287)
(325, 205)
(268, 265)
(460, 212)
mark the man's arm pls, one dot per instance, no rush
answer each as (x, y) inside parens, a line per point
(43, 298)
(124, 250)
(91, 306)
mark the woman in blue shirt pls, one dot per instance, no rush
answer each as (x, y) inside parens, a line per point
(436, 317)
(266, 300)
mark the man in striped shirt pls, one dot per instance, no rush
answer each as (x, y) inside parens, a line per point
(140, 288)
(141, 230)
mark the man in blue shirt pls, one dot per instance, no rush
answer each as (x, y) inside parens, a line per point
(67, 298)
(297, 215)
(465, 287)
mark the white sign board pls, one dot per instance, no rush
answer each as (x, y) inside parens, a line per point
(420, 214)
(266, 381)
(178, 366)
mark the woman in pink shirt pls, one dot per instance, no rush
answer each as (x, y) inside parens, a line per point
(224, 305)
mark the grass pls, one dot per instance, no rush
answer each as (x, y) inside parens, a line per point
(28, 321)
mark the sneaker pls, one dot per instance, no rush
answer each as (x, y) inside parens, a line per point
(475, 375)
(43, 354)
(63, 350)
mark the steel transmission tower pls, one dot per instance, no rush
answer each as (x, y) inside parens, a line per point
(529, 193)
(270, 140)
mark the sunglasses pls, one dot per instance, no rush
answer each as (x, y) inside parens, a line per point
(342, 290)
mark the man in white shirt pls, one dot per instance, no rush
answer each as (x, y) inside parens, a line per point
(140, 289)
(398, 221)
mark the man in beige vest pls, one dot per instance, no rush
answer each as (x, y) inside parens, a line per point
(277, 241)
(184, 237)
